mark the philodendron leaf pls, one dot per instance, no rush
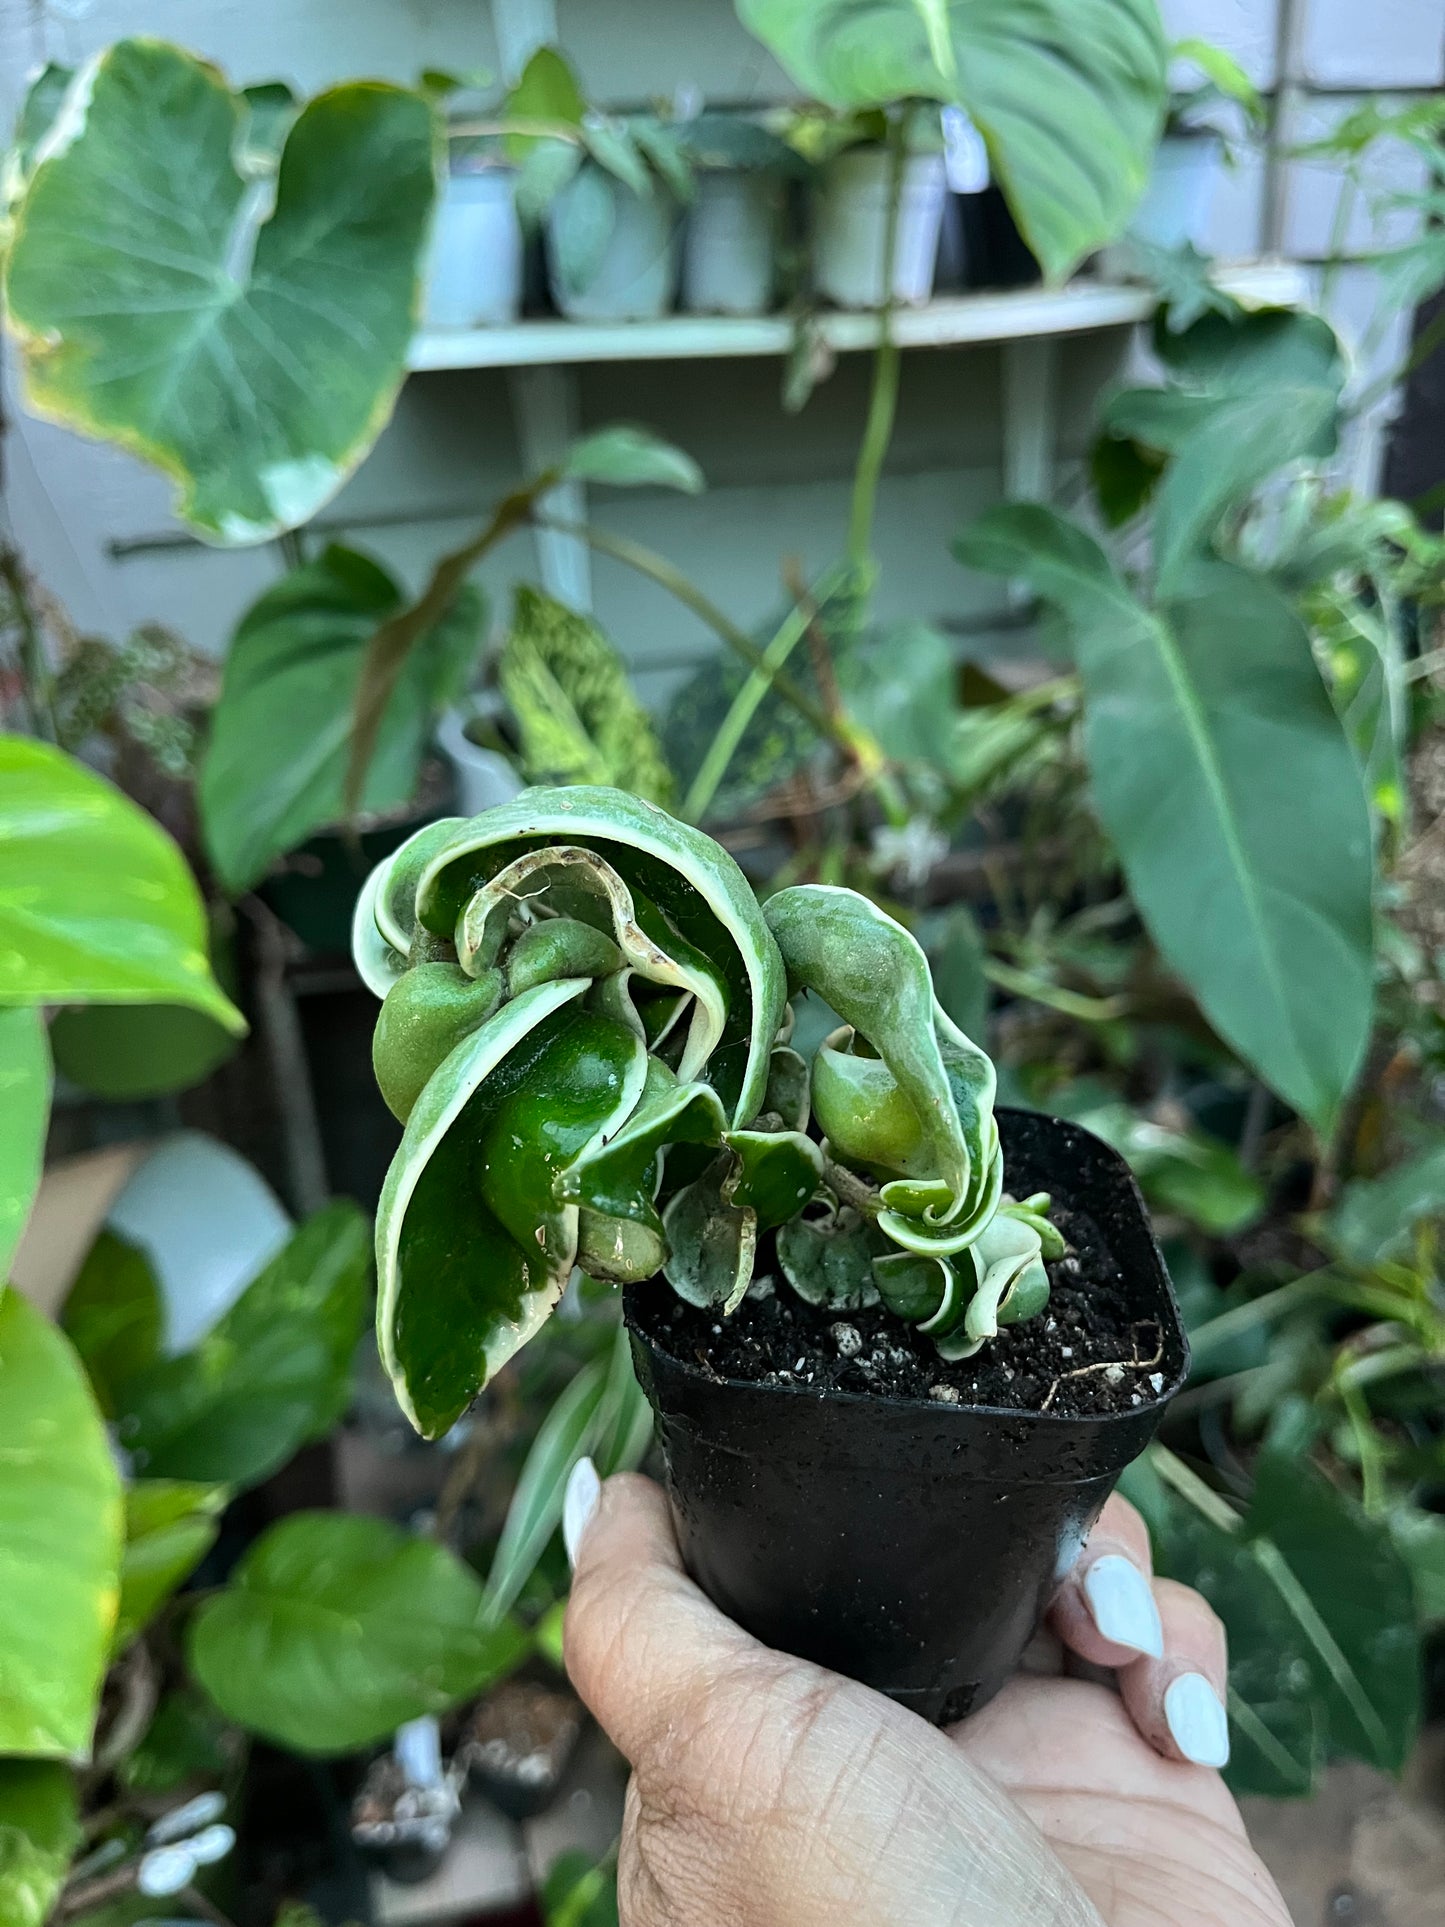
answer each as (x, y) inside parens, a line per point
(39, 1833)
(24, 1113)
(170, 1526)
(1221, 772)
(273, 1373)
(1068, 94)
(274, 768)
(60, 1540)
(335, 1629)
(96, 902)
(166, 319)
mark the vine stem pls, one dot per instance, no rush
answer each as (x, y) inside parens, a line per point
(883, 398)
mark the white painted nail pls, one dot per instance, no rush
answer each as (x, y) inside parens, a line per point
(1121, 1601)
(584, 1489)
(1197, 1721)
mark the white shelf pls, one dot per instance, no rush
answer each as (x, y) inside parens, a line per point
(955, 320)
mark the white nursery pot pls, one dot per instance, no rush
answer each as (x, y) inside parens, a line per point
(730, 243)
(1177, 202)
(636, 279)
(850, 235)
(483, 778)
(474, 264)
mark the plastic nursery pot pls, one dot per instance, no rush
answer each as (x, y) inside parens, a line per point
(730, 243)
(635, 278)
(1177, 202)
(483, 777)
(517, 1743)
(913, 1545)
(850, 233)
(473, 275)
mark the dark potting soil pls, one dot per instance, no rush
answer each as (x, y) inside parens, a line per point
(1088, 1353)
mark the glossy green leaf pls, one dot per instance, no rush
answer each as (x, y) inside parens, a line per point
(170, 1526)
(60, 1540)
(1068, 94)
(1232, 796)
(570, 697)
(185, 1742)
(273, 1373)
(24, 1114)
(424, 1016)
(173, 320)
(274, 769)
(114, 1315)
(96, 902)
(618, 1179)
(336, 1628)
(777, 1174)
(39, 1834)
(632, 458)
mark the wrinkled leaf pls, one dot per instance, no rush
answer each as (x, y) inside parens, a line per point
(830, 1261)
(711, 1242)
(39, 1833)
(337, 1628)
(24, 1114)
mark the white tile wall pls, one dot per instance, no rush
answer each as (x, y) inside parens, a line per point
(1385, 43)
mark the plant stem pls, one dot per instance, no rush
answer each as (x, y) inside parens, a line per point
(1205, 1500)
(1243, 1318)
(883, 398)
(1068, 1003)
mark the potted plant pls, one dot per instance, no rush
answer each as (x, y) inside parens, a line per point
(855, 227)
(733, 236)
(473, 272)
(849, 1328)
(1193, 151)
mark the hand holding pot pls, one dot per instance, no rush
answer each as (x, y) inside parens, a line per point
(767, 1791)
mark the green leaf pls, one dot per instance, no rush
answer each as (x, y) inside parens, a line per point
(901, 684)
(580, 1893)
(24, 1114)
(632, 458)
(1223, 776)
(573, 705)
(96, 902)
(337, 1628)
(547, 90)
(163, 318)
(1068, 94)
(273, 1373)
(114, 1315)
(43, 99)
(170, 1526)
(711, 1242)
(1376, 1217)
(274, 769)
(60, 1540)
(776, 1176)
(583, 218)
(186, 1741)
(956, 957)
(829, 1261)
(39, 1833)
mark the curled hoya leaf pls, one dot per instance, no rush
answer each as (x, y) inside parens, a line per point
(711, 1242)
(829, 1260)
(560, 947)
(1012, 1282)
(776, 1175)
(789, 1088)
(425, 1015)
(862, 1110)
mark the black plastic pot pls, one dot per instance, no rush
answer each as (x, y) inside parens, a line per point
(911, 1545)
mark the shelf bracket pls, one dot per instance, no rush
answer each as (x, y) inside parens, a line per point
(544, 408)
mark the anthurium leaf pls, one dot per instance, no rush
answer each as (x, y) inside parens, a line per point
(901, 684)
(829, 1261)
(1376, 1217)
(1352, 1596)
(144, 318)
(274, 768)
(114, 1315)
(625, 457)
(39, 1834)
(778, 1173)
(711, 1243)
(695, 886)
(1234, 800)
(1068, 94)
(60, 1540)
(170, 1526)
(573, 705)
(473, 1250)
(335, 1629)
(273, 1373)
(24, 1114)
(96, 902)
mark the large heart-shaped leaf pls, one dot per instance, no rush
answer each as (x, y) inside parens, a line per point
(273, 1373)
(275, 765)
(1223, 776)
(39, 1831)
(1068, 94)
(24, 1113)
(254, 365)
(60, 1540)
(337, 1628)
(96, 902)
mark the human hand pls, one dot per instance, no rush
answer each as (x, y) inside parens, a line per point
(767, 1792)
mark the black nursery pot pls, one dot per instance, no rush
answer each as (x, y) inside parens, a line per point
(913, 1545)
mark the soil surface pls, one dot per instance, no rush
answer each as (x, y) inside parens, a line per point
(1087, 1353)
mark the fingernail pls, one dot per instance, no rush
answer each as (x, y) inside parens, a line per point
(584, 1489)
(1121, 1601)
(1197, 1721)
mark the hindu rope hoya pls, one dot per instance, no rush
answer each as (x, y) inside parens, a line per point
(584, 1030)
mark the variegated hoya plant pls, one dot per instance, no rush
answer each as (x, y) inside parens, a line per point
(584, 1030)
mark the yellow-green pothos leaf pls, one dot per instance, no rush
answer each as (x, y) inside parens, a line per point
(39, 1832)
(170, 1526)
(60, 1540)
(253, 359)
(96, 902)
(24, 1112)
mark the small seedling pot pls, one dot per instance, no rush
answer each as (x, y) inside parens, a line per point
(730, 245)
(911, 1545)
(473, 275)
(850, 234)
(1176, 205)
